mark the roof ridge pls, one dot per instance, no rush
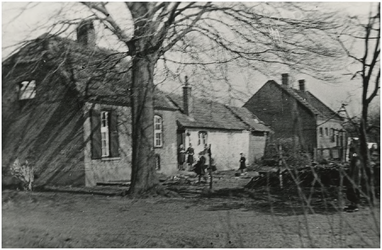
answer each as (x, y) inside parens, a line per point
(291, 92)
(334, 112)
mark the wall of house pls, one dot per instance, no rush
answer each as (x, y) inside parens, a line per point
(326, 142)
(45, 131)
(257, 143)
(273, 107)
(108, 169)
(119, 168)
(167, 153)
(226, 146)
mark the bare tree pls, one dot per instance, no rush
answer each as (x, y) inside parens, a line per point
(366, 32)
(209, 37)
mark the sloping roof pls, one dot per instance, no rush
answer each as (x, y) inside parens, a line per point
(99, 75)
(247, 117)
(309, 101)
(318, 104)
(213, 115)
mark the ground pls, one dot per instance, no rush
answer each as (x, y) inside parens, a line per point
(229, 217)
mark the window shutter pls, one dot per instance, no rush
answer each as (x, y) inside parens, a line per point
(114, 143)
(95, 134)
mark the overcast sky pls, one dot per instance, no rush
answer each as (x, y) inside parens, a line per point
(18, 25)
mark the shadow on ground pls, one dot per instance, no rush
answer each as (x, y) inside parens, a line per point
(268, 201)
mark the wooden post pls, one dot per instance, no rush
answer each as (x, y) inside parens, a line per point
(280, 165)
(210, 165)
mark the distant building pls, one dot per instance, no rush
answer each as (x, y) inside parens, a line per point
(299, 116)
(229, 130)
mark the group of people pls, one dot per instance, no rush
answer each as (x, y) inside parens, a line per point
(204, 161)
(185, 157)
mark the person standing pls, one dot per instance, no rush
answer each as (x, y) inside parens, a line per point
(200, 166)
(190, 156)
(353, 183)
(242, 163)
(181, 156)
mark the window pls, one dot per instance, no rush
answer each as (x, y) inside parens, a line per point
(326, 132)
(104, 134)
(202, 138)
(27, 90)
(158, 132)
(321, 132)
(333, 135)
(105, 140)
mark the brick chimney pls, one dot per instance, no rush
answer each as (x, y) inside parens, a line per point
(301, 84)
(86, 33)
(187, 98)
(284, 79)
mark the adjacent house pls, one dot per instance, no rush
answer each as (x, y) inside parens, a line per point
(299, 116)
(229, 130)
(66, 110)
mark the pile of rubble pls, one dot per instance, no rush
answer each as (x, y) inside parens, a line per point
(317, 176)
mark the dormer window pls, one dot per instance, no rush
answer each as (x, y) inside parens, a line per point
(27, 90)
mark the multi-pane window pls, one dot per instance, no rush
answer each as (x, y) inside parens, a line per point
(202, 138)
(104, 134)
(27, 90)
(105, 138)
(158, 131)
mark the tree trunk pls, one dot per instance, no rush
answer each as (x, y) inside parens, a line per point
(143, 176)
(367, 171)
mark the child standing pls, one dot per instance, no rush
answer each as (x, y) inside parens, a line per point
(242, 163)
(200, 167)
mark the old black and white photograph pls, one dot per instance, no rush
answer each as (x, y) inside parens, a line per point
(191, 124)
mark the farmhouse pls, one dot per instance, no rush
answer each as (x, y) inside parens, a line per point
(66, 110)
(297, 115)
(229, 130)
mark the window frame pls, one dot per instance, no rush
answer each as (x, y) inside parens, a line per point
(27, 91)
(105, 133)
(202, 135)
(158, 121)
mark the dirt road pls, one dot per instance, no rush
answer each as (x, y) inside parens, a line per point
(32, 219)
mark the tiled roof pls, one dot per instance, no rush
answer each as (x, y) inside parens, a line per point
(317, 104)
(213, 115)
(99, 75)
(308, 100)
(250, 119)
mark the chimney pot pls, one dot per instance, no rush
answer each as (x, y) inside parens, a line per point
(284, 79)
(301, 84)
(86, 33)
(187, 98)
